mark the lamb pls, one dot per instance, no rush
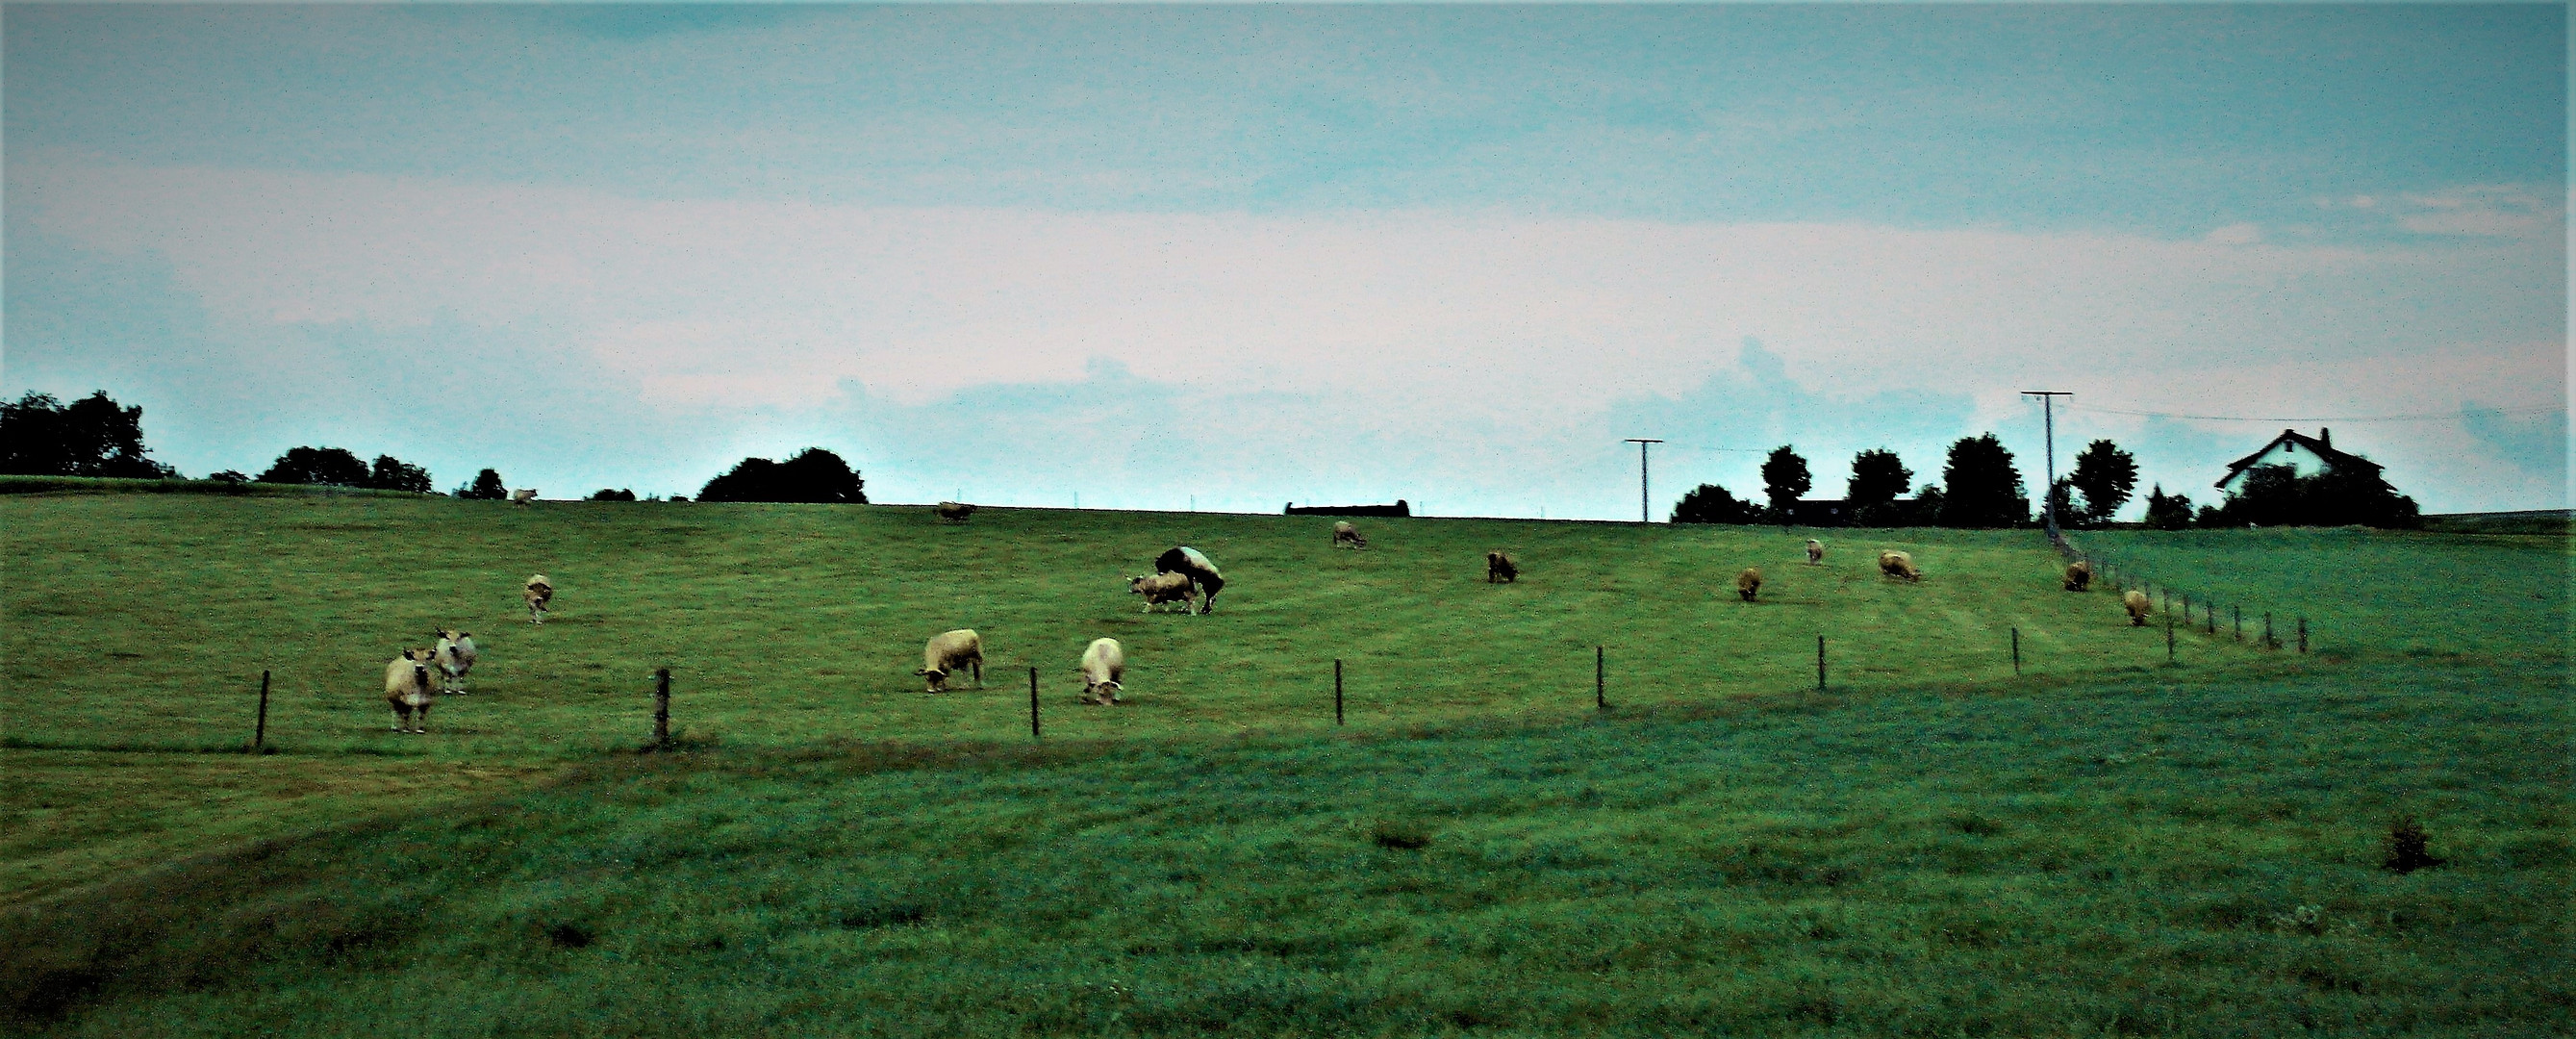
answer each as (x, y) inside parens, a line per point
(539, 592)
(1345, 534)
(1815, 551)
(955, 511)
(2137, 603)
(1162, 588)
(1749, 583)
(523, 495)
(1102, 666)
(454, 656)
(2079, 576)
(1186, 560)
(1898, 565)
(1499, 567)
(947, 652)
(407, 688)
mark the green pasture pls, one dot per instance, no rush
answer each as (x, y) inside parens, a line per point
(145, 621)
(2107, 844)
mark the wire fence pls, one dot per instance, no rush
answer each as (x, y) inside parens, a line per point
(2199, 613)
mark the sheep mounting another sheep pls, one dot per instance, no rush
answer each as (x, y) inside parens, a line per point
(1815, 551)
(1749, 583)
(955, 511)
(1499, 567)
(949, 651)
(1899, 565)
(2079, 576)
(2138, 605)
(1187, 561)
(1102, 666)
(1345, 534)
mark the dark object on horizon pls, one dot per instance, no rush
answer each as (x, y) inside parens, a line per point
(2267, 488)
(336, 467)
(487, 486)
(1710, 503)
(2168, 511)
(394, 474)
(1784, 479)
(1980, 487)
(811, 475)
(1400, 508)
(1878, 477)
(605, 494)
(92, 436)
(1817, 512)
(2108, 476)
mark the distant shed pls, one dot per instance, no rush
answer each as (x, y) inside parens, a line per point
(1400, 508)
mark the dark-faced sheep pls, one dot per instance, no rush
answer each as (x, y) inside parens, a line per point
(1102, 666)
(1499, 567)
(1815, 551)
(1159, 589)
(2138, 605)
(454, 655)
(1186, 560)
(955, 511)
(539, 592)
(408, 689)
(949, 651)
(1899, 565)
(1345, 534)
(1749, 583)
(2079, 576)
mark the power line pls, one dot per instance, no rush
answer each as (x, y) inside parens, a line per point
(2430, 416)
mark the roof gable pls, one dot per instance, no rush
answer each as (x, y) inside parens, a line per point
(2324, 451)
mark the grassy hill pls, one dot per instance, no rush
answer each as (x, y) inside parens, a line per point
(2106, 845)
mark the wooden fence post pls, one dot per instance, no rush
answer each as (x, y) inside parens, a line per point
(2303, 634)
(1820, 663)
(259, 732)
(661, 707)
(1337, 691)
(1033, 704)
(2016, 649)
(1600, 679)
(2238, 612)
(2169, 645)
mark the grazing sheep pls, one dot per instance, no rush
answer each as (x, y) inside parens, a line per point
(523, 495)
(539, 593)
(1186, 560)
(407, 688)
(1749, 583)
(454, 656)
(1345, 534)
(1163, 588)
(947, 652)
(1102, 666)
(1499, 567)
(955, 511)
(2079, 576)
(1815, 551)
(1898, 565)
(2137, 603)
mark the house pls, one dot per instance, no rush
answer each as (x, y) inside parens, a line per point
(2304, 454)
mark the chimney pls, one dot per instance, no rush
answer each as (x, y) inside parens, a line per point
(2325, 436)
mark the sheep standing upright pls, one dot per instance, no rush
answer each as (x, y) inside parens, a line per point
(1815, 551)
(1749, 583)
(2138, 605)
(2079, 576)
(1499, 567)
(1103, 665)
(408, 690)
(539, 592)
(454, 656)
(955, 511)
(948, 651)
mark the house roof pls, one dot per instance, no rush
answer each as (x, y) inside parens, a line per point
(2320, 444)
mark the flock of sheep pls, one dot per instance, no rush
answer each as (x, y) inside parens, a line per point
(1181, 574)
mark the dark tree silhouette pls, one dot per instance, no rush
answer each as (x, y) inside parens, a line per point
(487, 486)
(1710, 503)
(2107, 476)
(2167, 511)
(811, 475)
(330, 466)
(92, 436)
(1877, 478)
(1784, 480)
(608, 494)
(2277, 496)
(1980, 486)
(394, 474)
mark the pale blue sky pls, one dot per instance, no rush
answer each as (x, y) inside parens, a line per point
(1256, 254)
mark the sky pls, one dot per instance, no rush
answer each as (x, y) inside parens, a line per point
(1230, 257)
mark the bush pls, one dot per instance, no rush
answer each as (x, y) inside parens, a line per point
(92, 436)
(487, 486)
(604, 494)
(2167, 511)
(811, 475)
(327, 466)
(394, 474)
(1710, 503)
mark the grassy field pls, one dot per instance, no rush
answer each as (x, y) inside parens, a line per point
(2106, 845)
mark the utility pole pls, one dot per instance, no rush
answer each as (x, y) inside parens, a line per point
(2048, 426)
(1642, 498)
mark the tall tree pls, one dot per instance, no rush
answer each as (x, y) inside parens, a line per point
(2167, 511)
(487, 486)
(394, 474)
(1877, 478)
(2107, 476)
(1980, 487)
(330, 466)
(1710, 503)
(92, 436)
(1784, 480)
